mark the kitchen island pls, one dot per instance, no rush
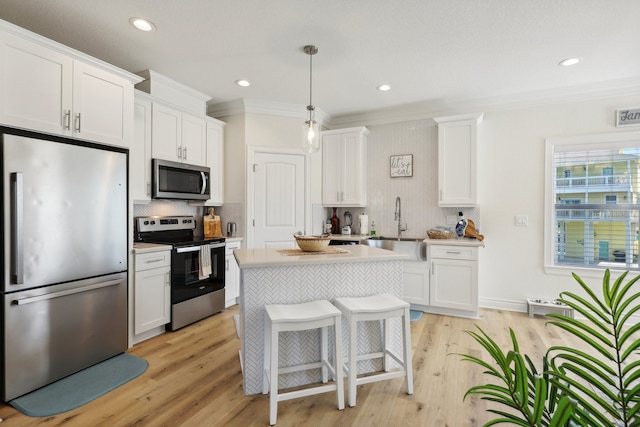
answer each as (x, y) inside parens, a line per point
(286, 276)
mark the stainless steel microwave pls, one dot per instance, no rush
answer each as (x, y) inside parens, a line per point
(173, 180)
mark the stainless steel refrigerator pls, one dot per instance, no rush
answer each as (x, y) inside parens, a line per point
(64, 231)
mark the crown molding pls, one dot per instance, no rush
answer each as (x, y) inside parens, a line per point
(22, 33)
(254, 106)
(435, 108)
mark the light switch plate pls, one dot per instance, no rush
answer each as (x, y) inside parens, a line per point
(522, 220)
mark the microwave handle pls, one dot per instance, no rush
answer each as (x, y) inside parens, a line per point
(204, 182)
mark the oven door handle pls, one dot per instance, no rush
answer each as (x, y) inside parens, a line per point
(197, 248)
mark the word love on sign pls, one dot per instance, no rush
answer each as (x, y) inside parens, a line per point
(628, 117)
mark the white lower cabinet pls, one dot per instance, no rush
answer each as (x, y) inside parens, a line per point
(454, 279)
(152, 290)
(415, 282)
(232, 275)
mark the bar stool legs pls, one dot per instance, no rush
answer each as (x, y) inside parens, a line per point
(377, 307)
(298, 317)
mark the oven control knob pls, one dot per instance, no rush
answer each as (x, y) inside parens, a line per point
(146, 223)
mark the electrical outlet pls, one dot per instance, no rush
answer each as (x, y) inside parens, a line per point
(522, 220)
(451, 219)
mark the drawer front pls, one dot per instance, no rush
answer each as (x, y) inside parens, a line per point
(231, 246)
(153, 260)
(453, 252)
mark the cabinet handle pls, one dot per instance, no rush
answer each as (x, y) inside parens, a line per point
(67, 119)
(149, 261)
(78, 123)
(184, 153)
(227, 265)
(148, 189)
(454, 252)
(180, 152)
(167, 280)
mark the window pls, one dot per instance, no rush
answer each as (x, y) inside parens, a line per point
(592, 213)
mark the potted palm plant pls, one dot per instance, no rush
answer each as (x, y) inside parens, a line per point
(574, 387)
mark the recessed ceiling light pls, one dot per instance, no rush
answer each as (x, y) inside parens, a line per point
(142, 24)
(569, 61)
(384, 88)
(243, 82)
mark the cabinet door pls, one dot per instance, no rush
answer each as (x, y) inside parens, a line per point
(140, 153)
(194, 140)
(102, 106)
(332, 169)
(415, 282)
(215, 162)
(152, 295)
(35, 87)
(232, 275)
(454, 284)
(353, 171)
(457, 160)
(166, 132)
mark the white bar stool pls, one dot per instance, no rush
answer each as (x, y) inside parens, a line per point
(377, 307)
(299, 317)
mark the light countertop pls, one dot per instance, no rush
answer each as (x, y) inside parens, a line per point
(255, 258)
(142, 248)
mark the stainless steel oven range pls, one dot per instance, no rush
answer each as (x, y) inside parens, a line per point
(197, 266)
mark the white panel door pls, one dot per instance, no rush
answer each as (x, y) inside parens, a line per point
(278, 199)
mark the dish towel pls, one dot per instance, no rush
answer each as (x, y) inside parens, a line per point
(205, 262)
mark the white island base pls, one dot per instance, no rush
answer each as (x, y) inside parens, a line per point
(267, 276)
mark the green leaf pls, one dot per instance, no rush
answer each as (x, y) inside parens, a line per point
(509, 418)
(588, 290)
(563, 413)
(540, 399)
(588, 339)
(629, 333)
(620, 296)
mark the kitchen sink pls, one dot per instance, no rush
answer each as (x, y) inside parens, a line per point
(414, 247)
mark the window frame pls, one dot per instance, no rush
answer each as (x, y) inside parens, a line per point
(555, 145)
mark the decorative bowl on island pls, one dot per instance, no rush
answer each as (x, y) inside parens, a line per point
(313, 243)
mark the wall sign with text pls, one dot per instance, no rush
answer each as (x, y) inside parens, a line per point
(628, 117)
(402, 165)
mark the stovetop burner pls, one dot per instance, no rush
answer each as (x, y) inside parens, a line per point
(174, 230)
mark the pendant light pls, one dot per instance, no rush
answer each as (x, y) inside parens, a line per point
(311, 138)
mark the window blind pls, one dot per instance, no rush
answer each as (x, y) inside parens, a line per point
(596, 207)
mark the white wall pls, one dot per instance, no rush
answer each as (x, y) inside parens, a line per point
(511, 182)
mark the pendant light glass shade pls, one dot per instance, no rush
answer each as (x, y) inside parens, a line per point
(311, 135)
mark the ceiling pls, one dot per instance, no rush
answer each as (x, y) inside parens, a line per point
(429, 51)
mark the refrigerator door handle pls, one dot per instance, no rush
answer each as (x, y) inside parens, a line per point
(28, 300)
(17, 228)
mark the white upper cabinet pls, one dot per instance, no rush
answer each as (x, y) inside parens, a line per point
(47, 90)
(344, 167)
(178, 136)
(215, 161)
(140, 152)
(457, 160)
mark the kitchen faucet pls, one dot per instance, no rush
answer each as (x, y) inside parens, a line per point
(399, 217)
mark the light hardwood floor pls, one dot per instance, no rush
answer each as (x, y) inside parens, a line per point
(194, 379)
